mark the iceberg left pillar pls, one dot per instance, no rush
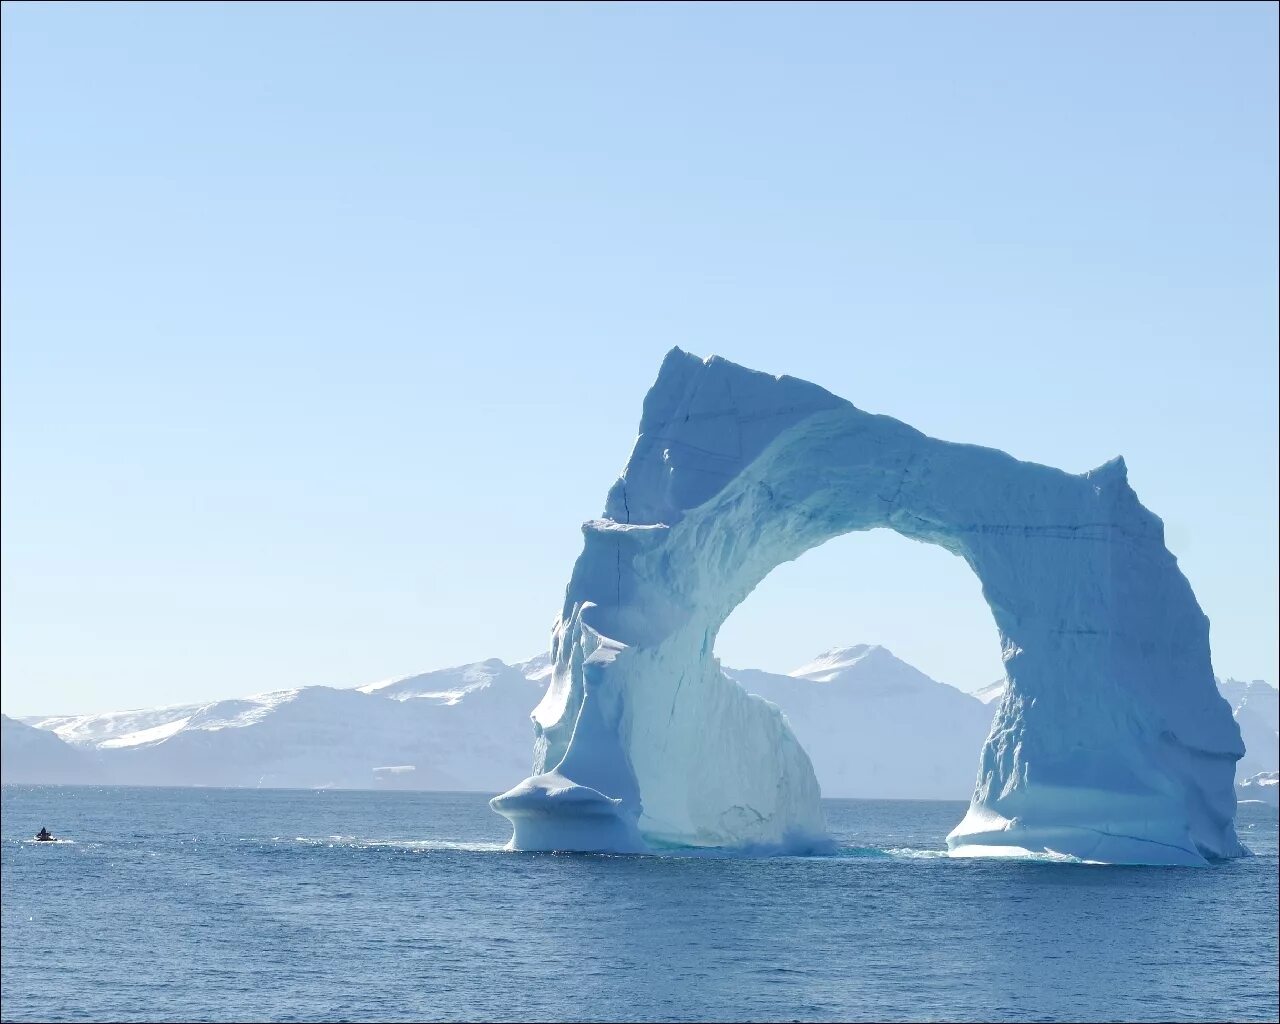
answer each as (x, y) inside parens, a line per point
(560, 806)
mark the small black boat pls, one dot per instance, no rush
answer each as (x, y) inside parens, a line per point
(44, 835)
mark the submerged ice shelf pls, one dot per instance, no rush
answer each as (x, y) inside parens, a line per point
(1111, 742)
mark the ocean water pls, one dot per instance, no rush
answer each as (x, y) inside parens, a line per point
(187, 904)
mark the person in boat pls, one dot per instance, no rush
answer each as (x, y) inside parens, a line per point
(44, 835)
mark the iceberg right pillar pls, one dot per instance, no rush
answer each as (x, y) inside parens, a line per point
(1111, 743)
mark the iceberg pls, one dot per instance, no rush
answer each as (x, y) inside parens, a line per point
(1110, 742)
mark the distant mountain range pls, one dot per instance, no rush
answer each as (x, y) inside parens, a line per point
(454, 729)
(873, 726)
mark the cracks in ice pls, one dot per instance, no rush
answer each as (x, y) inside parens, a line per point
(1134, 839)
(902, 480)
(744, 810)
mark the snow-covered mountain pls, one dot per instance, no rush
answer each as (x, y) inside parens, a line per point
(873, 726)
(453, 729)
(1263, 787)
(1256, 706)
(30, 755)
(990, 693)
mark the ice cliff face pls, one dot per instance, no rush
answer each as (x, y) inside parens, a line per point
(1110, 743)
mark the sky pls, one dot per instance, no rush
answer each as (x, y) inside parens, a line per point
(326, 326)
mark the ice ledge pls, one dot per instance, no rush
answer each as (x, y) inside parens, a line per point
(1146, 841)
(549, 812)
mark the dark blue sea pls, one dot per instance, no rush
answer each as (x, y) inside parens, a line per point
(188, 904)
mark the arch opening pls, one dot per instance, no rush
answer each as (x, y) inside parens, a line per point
(877, 587)
(866, 674)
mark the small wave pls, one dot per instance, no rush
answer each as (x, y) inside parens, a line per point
(49, 842)
(440, 844)
(886, 853)
(409, 845)
(862, 853)
(916, 853)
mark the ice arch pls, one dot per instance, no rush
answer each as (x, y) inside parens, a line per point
(1112, 742)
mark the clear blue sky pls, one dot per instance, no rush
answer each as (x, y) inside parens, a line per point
(325, 326)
